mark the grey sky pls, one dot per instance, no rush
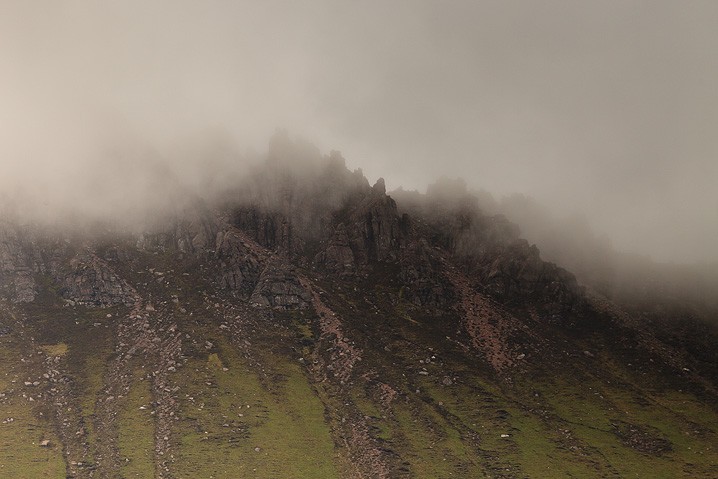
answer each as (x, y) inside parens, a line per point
(607, 107)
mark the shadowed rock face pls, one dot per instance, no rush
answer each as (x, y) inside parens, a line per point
(338, 257)
(518, 275)
(89, 280)
(240, 265)
(421, 273)
(375, 228)
(193, 230)
(489, 248)
(279, 288)
(271, 230)
(364, 231)
(334, 221)
(82, 277)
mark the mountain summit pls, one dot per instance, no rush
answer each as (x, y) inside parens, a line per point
(305, 323)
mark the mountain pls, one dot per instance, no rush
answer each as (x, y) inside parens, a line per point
(628, 278)
(304, 323)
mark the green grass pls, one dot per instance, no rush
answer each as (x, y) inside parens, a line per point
(381, 426)
(434, 448)
(237, 427)
(475, 417)
(538, 454)
(136, 429)
(422, 429)
(265, 419)
(593, 412)
(690, 425)
(21, 455)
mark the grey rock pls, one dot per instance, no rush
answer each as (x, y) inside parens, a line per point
(279, 287)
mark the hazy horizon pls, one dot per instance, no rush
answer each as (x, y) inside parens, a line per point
(604, 109)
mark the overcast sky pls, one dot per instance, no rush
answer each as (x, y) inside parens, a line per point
(609, 108)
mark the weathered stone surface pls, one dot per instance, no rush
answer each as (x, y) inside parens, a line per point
(374, 229)
(338, 256)
(517, 274)
(82, 277)
(26, 288)
(240, 263)
(421, 275)
(488, 248)
(279, 287)
(272, 230)
(377, 230)
(193, 230)
(379, 187)
(366, 230)
(90, 281)
(326, 216)
(16, 273)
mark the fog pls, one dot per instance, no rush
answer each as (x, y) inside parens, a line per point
(604, 109)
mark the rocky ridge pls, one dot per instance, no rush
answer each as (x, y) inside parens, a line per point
(390, 309)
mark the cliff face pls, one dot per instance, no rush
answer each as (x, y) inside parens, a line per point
(344, 228)
(76, 272)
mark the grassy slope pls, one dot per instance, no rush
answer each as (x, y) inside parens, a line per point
(265, 418)
(86, 335)
(566, 423)
(238, 423)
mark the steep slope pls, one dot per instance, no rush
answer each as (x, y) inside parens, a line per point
(308, 326)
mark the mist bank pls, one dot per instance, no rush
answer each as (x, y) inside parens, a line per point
(128, 182)
(131, 188)
(569, 241)
(601, 107)
(128, 185)
(124, 182)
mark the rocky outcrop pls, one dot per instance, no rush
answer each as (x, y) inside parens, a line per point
(338, 256)
(421, 276)
(193, 231)
(272, 230)
(79, 277)
(376, 229)
(17, 281)
(487, 247)
(368, 230)
(26, 289)
(196, 234)
(241, 261)
(516, 274)
(88, 280)
(280, 288)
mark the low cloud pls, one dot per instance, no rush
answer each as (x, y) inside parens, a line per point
(606, 109)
